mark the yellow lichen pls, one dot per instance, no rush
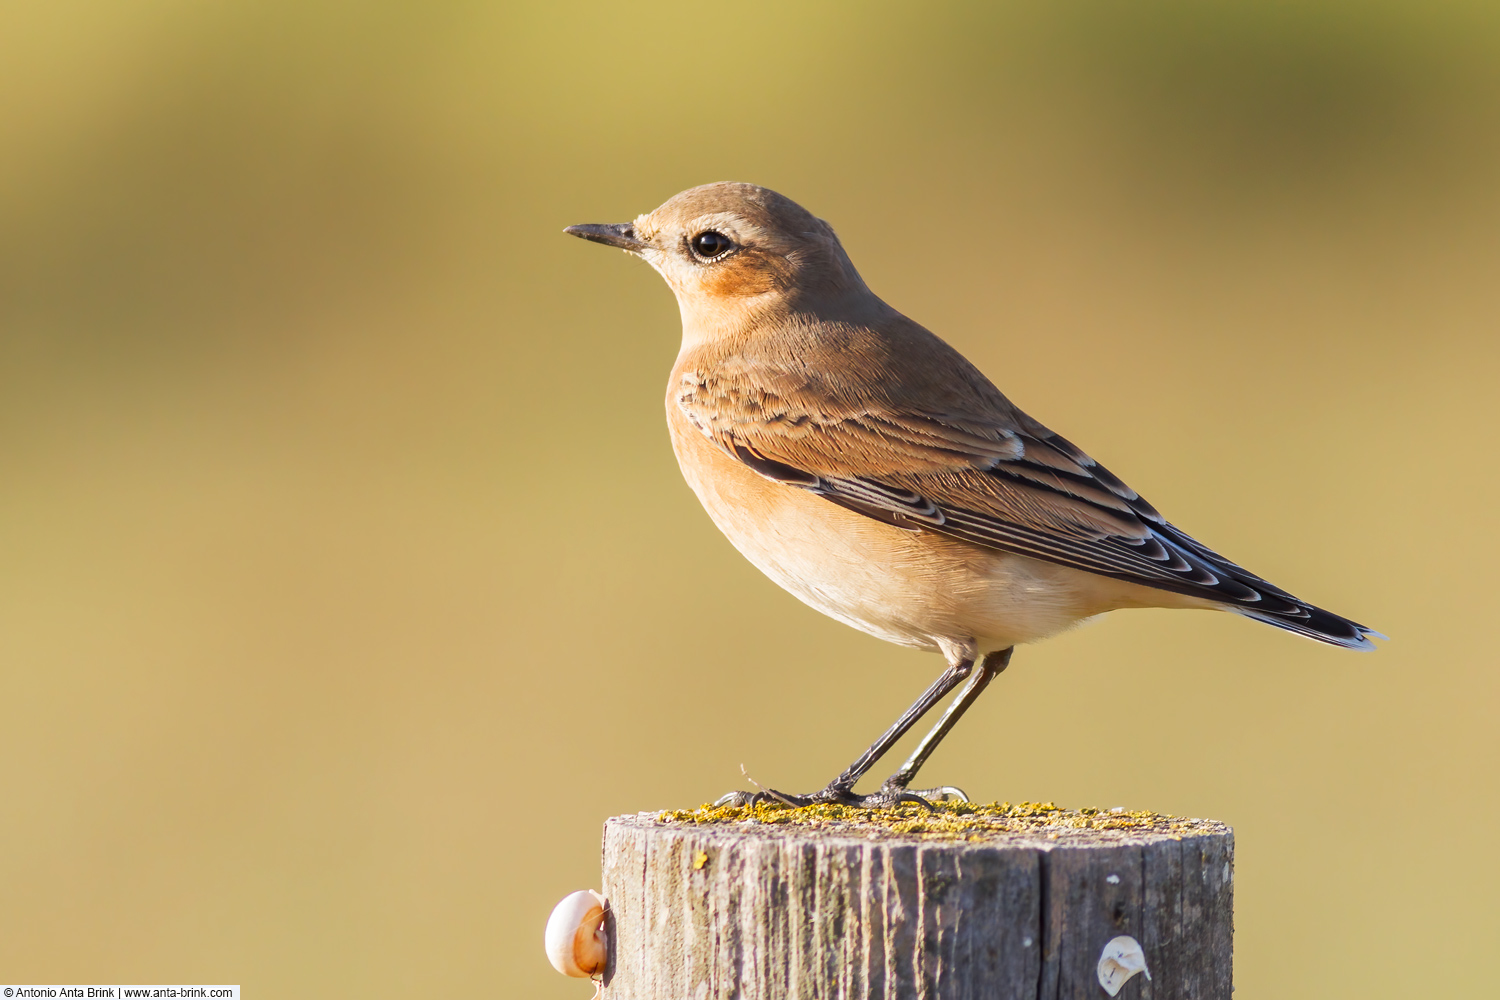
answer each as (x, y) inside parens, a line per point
(948, 820)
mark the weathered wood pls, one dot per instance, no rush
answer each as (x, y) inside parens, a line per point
(1003, 909)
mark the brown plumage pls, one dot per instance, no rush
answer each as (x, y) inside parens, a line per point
(869, 468)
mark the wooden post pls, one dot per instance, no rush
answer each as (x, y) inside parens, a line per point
(992, 901)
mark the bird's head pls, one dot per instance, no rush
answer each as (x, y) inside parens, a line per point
(733, 252)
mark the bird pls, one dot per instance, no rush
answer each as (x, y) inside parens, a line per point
(866, 466)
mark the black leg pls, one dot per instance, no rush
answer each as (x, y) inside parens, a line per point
(946, 682)
(893, 791)
(991, 665)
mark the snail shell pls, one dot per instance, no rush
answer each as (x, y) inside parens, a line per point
(577, 944)
(1121, 959)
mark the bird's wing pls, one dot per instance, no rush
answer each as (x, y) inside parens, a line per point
(999, 480)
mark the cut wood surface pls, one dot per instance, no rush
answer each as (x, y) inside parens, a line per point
(971, 902)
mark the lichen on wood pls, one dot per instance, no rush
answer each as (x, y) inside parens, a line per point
(948, 820)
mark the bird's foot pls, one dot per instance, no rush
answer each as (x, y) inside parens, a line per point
(887, 796)
(942, 793)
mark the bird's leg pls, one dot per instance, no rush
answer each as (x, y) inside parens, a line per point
(895, 787)
(841, 789)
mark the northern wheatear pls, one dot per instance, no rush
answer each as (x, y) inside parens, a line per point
(871, 470)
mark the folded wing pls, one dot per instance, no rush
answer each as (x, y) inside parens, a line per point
(997, 479)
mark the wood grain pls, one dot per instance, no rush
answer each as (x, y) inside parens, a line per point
(771, 912)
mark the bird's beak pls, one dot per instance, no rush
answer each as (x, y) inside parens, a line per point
(620, 234)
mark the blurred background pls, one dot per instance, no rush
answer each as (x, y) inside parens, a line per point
(347, 581)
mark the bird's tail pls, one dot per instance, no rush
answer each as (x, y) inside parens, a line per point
(1325, 626)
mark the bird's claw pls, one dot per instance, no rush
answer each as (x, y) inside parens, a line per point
(943, 793)
(735, 800)
(887, 796)
(768, 795)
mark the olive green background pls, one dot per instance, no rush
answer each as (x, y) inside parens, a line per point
(347, 582)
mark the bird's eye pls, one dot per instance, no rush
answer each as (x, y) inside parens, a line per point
(710, 244)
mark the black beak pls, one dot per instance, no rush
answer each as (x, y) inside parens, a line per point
(621, 234)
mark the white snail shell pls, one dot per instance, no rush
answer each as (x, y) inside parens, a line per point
(1121, 959)
(577, 944)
